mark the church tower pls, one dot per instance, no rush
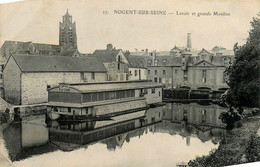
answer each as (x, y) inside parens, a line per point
(67, 36)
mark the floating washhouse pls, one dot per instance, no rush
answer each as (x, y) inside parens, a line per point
(102, 98)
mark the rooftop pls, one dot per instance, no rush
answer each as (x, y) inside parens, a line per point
(108, 86)
(39, 63)
(106, 55)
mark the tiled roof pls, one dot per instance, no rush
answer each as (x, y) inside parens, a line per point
(49, 47)
(135, 61)
(138, 53)
(69, 53)
(37, 63)
(106, 56)
(163, 53)
(23, 48)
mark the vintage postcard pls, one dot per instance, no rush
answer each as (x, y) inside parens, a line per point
(129, 83)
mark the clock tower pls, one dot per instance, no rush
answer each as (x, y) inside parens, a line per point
(67, 35)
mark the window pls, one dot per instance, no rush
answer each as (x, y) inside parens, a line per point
(82, 77)
(159, 93)
(160, 80)
(148, 72)
(164, 62)
(164, 72)
(155, 79)
(93, 76)
(226, 61)
(1, 76)
(94, 96)
(153, 90)
(156, 62)
(155, 72)
(149, 62)
(145, 91)
(185, 76)
(204, 76)
(203, 115)
(135, 72)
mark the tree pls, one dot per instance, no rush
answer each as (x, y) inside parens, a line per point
(244, 72)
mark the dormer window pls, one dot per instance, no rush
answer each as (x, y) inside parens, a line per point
(226, 61)
(164, 62)
(156, 62)
(149, 62)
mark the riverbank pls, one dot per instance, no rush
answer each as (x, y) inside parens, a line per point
(241, 145)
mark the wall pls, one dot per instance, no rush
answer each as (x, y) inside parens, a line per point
(12, 82)
(214, 78)
(34, 85)
(114, 73)
(154, 97)
(143, 73)
(166, 79)
(175, 75)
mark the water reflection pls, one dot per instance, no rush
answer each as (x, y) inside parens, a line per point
(193, 120)
(182, 130)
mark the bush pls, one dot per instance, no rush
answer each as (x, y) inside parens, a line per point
(5, 116)
(253, 149)
(229, 118)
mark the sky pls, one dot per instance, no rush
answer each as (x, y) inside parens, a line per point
(38, 21)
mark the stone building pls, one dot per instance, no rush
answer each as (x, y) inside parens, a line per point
(121, 66)
(27, 77)
(191, 69)
(136, 67)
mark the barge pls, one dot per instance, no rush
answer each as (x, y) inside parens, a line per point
(101, 100)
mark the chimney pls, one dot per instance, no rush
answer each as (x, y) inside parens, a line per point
(189, 41)
(109, 46)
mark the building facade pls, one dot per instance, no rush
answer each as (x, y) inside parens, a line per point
(191, 69)
(121, 66)
(27, 78)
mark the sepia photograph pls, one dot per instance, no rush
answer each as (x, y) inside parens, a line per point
(129, 83)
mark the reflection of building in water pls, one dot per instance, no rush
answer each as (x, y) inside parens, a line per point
(192, 120)
(153, 115)
(70, 136)
(27, 139)
(194, 114)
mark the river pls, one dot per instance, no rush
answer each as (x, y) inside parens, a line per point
(164, 136)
